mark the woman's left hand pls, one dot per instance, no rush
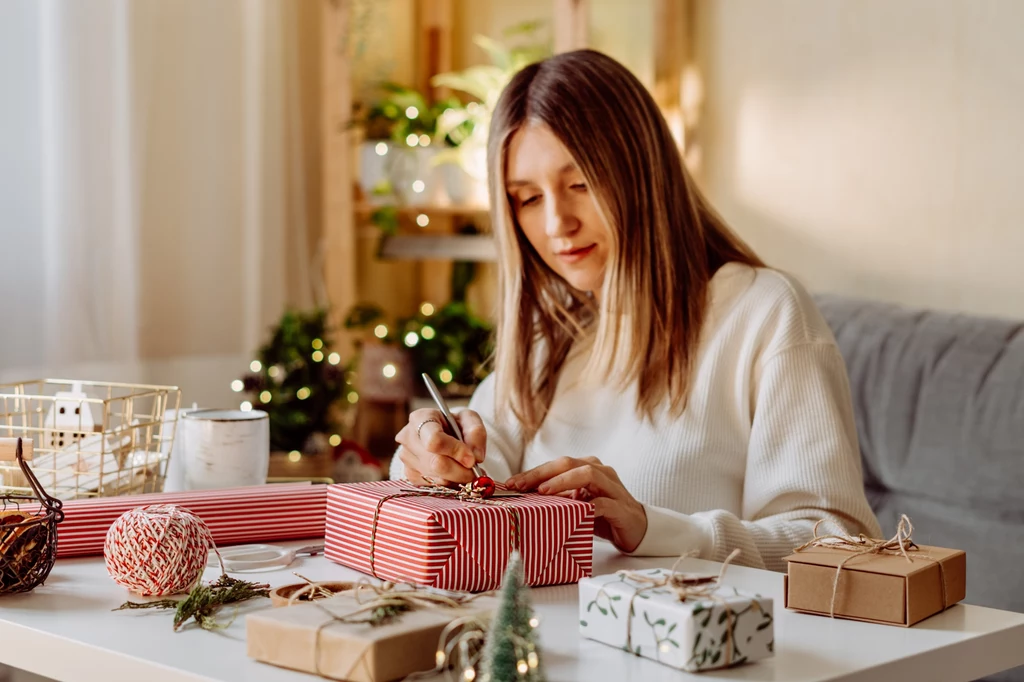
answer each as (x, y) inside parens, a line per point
(618, 516)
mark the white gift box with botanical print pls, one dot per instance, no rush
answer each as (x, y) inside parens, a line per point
(689, 623)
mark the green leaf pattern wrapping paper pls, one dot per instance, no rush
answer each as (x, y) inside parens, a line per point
(729, 628)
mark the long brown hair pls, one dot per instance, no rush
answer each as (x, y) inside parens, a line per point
(666, 243)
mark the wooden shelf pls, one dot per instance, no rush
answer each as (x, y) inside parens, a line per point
(307, 468)
(365, 210)
(463, 247)
(436, 242)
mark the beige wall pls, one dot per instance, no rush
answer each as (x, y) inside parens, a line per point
(189, 178)
(872, 147)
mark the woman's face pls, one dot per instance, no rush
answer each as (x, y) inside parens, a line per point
(554, 207)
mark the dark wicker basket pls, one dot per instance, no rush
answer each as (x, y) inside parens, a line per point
(28, 534)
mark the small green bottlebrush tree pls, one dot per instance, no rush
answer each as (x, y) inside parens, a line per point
(510, 651)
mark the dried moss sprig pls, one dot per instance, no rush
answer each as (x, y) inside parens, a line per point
(203, 602)
(387, 613)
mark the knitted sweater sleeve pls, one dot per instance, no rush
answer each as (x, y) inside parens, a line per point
(803, 465)
(505, 445)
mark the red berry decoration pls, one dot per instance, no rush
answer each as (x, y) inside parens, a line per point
(484, 485)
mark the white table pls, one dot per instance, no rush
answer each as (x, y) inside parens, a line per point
(66, 630)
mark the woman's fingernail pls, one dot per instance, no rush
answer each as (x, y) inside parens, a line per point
(543, 489)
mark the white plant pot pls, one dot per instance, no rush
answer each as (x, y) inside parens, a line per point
(404, 168)
(462, 188)
(415, 177)
(373, 167)
(466, 182)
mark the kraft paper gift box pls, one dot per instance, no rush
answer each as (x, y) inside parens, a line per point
(307, 636)
(879, 588)
(723, 628)
(894, 581)
(453, 544)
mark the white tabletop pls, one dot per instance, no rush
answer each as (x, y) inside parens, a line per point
(66, 630)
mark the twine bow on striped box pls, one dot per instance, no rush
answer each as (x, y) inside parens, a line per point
(392, 531)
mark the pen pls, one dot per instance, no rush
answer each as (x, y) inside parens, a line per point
(448, 417)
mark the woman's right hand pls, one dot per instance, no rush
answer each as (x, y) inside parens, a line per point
(432, 456)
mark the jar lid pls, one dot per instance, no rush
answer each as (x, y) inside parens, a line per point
(226, 415)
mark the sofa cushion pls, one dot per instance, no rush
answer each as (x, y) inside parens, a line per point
(939, 399)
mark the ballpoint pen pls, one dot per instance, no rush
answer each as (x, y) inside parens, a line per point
(478, 471)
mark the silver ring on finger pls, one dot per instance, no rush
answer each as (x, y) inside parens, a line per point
(424, 423)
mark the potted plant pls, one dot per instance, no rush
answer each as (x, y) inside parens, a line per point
(396, 156)
(449, 343)
(465, 127)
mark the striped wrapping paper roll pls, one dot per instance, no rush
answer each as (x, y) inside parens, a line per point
(279, 511)
(455, 545)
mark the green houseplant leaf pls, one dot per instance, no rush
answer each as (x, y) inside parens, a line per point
(477, 81)
(500, 55)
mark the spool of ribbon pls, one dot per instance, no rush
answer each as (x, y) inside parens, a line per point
(157, 549)
(684, 587)
(467, 492)
(862, 546)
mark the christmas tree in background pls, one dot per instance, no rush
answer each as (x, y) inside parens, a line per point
(461, 343)
(510, 652)
(450, 343)
(298, 380)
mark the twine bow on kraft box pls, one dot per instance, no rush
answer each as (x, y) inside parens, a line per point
(454, 539)
(893, 582)
(371, 633)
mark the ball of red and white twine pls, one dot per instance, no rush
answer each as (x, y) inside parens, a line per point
(158, 549)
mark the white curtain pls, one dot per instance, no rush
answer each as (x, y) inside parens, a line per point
(157, 186)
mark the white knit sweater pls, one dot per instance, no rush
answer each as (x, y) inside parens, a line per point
(766, 447)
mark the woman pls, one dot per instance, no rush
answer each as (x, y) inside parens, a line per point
(646, 359)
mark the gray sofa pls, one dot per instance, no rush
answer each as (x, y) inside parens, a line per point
(939, 399)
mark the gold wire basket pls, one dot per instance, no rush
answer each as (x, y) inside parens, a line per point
(91, 438)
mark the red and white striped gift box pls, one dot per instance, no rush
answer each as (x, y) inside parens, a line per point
(455, 545)
(279, 511)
